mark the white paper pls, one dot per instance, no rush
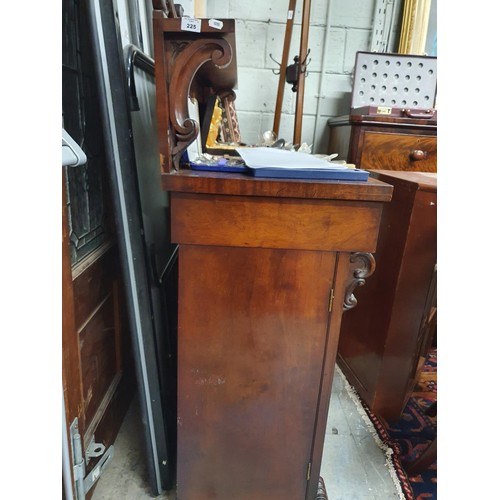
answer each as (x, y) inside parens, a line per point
(281, 158)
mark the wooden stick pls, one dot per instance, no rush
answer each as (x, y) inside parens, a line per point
(304, 35)
(171, 6)
(284, 64)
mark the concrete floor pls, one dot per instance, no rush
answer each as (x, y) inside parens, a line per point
(353, 466)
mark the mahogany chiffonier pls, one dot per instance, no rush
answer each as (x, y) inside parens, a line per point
(383, 341)
(264, 275)
(265, 271)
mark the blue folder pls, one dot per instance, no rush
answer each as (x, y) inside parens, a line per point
(347, 174)
(239, 169)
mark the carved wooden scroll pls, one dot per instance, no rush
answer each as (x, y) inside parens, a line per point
(365, 266)
(187, 62)
(322, 495)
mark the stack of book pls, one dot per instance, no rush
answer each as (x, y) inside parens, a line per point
(280, 163)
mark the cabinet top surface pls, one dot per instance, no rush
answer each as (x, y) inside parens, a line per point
(382, 121)
(425, 180)
(189, 181)
(174, 25)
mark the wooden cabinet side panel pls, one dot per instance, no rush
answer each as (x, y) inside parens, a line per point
(252, 333)
(415, 276)
(339, 140)
(363, 334)
(378, 340)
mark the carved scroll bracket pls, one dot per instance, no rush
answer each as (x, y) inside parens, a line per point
(186, 65)
(365, 266)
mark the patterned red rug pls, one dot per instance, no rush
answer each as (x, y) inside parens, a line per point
(410, 436)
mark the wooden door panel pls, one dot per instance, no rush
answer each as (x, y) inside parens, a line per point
(93, 281)
(238, 415)
(72, 386)
(98, 350)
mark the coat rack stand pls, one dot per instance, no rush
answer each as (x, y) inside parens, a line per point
(283, 65)
(299, 107)
(304, 36)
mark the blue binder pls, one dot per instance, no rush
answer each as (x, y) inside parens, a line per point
(348, 174)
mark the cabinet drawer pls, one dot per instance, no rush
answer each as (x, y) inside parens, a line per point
(266, 222)
(387, 151)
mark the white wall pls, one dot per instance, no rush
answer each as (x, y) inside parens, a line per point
(338, 29)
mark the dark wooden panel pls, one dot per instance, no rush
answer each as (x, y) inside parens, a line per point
(381, 338)
(93, 281)
(252, 335)
(98, 349)
(275, 223)
(72, 385)
(415, 276)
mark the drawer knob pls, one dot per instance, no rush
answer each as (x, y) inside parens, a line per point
(418, 154)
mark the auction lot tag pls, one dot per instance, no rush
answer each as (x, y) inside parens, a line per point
(191, 24)
(215, 23)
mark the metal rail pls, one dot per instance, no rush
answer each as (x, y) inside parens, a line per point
(136, 58)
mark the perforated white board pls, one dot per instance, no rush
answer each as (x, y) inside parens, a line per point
(394, 80)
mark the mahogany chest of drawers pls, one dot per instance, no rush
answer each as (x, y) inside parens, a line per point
(385, 142)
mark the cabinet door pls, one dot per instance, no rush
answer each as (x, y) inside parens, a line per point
(253, 328)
